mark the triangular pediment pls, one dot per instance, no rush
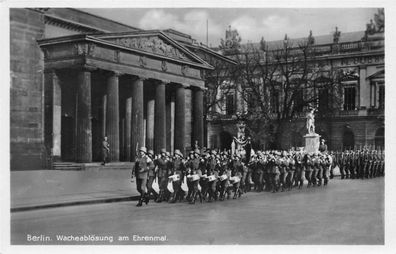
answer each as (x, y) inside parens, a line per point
(152, 43)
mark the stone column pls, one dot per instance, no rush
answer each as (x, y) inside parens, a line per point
(180, 127)
(113, 118)
(160, 118)
(56, 118)
(103, 115)
(198, 123)
(150, 124)
(170, 122)
(53, 111)
(128, 128)
(137, 116)
(84, 124)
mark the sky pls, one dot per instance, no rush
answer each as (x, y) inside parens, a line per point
(252, 24)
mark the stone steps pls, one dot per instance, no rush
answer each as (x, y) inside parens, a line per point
(92, 166)
(67, 166)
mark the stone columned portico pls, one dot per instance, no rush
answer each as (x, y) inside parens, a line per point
(104, 88)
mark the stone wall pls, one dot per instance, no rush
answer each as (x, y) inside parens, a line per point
(27, 76)
(26, 92)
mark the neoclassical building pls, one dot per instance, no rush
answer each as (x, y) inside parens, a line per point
(359, 120)
(77, 77)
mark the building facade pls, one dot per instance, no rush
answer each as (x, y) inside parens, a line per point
(359, 119)
(77, 77)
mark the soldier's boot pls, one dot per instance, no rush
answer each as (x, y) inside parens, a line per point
(235, 194)
(140, 201)
(147, 198)
(301, 184)
(172, 198)
(200, 196)
(319, 182)
(325, 182)
(193, 197)
(160, 197)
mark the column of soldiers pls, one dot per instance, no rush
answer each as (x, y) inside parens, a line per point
(210, 176)
(360, 164)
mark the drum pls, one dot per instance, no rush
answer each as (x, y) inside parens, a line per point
(195, 177)
(211, 178)
(223, 177)
(235, 179)
(175, 177)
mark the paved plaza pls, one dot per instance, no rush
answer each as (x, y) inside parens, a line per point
(346, 212)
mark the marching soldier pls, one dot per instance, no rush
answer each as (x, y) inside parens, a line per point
(177, 170)
(308, 164)
(151, 176)
(141, 173)
(224, 175)
(275, 173)
(213, 173)
(195, 175)
(299, 170)
(328, 162)
(236, 175)
(189, 172)
(162, 173)
(290, 172)
(283, 165)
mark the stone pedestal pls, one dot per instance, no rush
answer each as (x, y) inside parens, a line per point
(312, 143)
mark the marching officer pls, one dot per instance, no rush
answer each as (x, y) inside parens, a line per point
(141, 173)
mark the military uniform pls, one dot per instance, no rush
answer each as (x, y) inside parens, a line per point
(212, 170)
(141, 173)
(177, 169)
(151, 176)
(162, 174)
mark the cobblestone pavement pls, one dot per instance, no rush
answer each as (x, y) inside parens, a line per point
(345, 212)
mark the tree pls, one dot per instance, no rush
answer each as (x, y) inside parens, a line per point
(278, 85)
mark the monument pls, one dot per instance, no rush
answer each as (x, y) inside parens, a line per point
(241, 144)
(311, 138)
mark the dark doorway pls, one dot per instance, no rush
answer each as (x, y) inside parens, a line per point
(380, 139)
(67, 142)
(348, 139)
(225, 140)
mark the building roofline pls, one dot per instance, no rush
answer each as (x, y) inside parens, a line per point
(101, 17)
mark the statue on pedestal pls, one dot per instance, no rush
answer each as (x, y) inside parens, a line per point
(311, 121)
(311, 139)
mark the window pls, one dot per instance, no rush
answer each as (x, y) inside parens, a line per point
(275, 102)
(299, 101)
(323, 100)
(230, 104)
(381, 96)
(349, 98)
